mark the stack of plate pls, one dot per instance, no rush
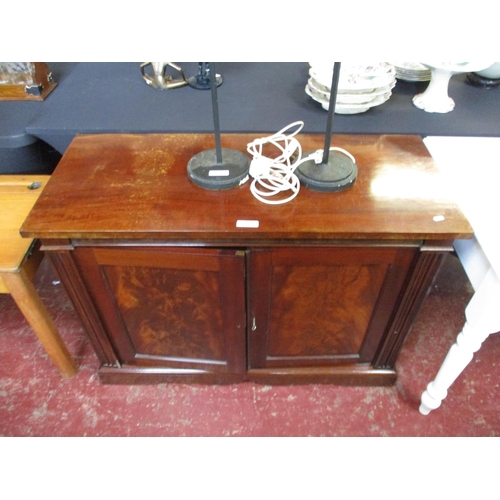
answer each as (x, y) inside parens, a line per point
(361, 86)
(412, 72)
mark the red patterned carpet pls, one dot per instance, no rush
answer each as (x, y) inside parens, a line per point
(36, 401)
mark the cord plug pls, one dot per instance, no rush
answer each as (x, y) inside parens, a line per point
(260, 167)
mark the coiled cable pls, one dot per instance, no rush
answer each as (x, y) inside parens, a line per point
(275, 175)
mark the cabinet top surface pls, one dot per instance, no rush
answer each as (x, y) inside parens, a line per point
(135, 186)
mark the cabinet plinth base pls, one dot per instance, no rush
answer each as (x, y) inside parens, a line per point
(340, 375)
(134, 375)
(345, 376)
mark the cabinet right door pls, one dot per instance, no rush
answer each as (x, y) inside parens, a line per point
(319, 312)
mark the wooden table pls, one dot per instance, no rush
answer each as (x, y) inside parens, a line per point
(19, 260)
(475, 190)
(172, 288)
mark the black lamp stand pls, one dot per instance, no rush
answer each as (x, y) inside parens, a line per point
(220, 168)
(336, 171)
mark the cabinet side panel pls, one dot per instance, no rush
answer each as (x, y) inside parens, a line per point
(70, 276)
(417, 289)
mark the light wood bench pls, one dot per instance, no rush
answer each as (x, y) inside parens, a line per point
(19, 261)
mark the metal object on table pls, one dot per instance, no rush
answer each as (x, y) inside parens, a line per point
(201, 80)
(220, 168)
(159, 78)
(337, 170)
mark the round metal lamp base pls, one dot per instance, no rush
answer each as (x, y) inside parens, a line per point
(482, 81)
(337, 174)
(201, 83)
(205, 172)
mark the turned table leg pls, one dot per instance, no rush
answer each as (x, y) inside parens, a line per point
(482, 319)
(24, 294)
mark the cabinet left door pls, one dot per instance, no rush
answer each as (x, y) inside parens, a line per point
(170, 314)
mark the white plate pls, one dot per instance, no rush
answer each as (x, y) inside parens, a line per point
(352, 109)
(353, 79)
(347, 108)
(356, 98)
(410, 66)
(412, 71)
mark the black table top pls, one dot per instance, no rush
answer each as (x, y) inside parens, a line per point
(254, 97)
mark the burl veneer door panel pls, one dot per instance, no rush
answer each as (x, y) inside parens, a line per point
(322, 306)
(177, 308)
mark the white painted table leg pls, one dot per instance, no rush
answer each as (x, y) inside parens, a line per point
(483, 318)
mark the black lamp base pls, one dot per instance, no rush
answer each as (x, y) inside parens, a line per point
(200, 83)
(482, 81)
(204, 170)
(337, 174)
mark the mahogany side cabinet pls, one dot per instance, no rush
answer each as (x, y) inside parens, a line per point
(175, 283)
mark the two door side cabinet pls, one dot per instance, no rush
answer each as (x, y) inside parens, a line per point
(171, 288)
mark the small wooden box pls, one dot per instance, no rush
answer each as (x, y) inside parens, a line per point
(26, 81)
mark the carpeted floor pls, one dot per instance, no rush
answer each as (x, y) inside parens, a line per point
(36, 401)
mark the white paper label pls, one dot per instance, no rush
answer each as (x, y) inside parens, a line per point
(247, 223)
(218, 173)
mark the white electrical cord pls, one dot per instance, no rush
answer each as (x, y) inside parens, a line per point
(272, 176)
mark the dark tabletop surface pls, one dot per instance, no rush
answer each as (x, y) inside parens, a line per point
(254, 97)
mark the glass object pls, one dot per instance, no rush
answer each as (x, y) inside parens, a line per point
(25, 80)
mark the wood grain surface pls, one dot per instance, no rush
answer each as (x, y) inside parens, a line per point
(16, 201)
(135, 186)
